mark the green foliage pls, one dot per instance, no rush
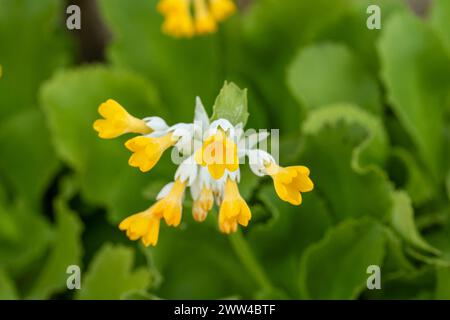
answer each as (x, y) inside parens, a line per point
(403, 222)
(352, 245)
(111, 274)
(367, 111)
(66, 250)
(416, 71)
(330, 73)
(30, 151)
(33, 45)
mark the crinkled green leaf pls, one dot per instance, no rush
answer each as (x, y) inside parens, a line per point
(33, 45)
(322, 74)
(29, 238)
(111, 274)
(372, 150)
(291, 228)
(352, 183)
(416, 69)
(402, 220)
(70, 101)
(336, 267)
(28, 160)
(231, 104)
(66, 250)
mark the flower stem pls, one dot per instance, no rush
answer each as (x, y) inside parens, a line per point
(243, 251)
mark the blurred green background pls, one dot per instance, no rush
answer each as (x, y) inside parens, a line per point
(366, 110)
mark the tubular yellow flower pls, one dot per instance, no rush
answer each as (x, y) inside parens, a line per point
(185, 18)
(218, 153)
(222, 9)
(179, 24)
(144, 225)
(233, 210)
(203, 205)
(117, 121)
(148, 150)
(289, 182)
(170, 6)
(172, 205)
(204, 21)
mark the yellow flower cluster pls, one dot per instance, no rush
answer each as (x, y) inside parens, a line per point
(186, 18)
(210, 170)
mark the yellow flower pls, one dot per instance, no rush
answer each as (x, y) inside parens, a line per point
(117, 121)
(148, 150)
(204, 21)
(172, 205)
(145, 225)
(185, 18)
(218, 153)
(290, 182)
(222, 9)
(203, 204)
(233, 210)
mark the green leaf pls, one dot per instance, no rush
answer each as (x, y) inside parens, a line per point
(415, 69)
(440, 20)
(255, 55)
(26, 150)
(442, 283)
(350, 29)
(111, 274)
(352, 183)
(8, 289)
(374, 147)
(440, 239)
(70, 101)
(66, 250)
(417, 284)
(395, 261)
(417, 183)
(272, 19)
(323, 74)
(29, 237)
(231, 104)
(402, 220)
(32, 29)
(351, 246)
(289, 227)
